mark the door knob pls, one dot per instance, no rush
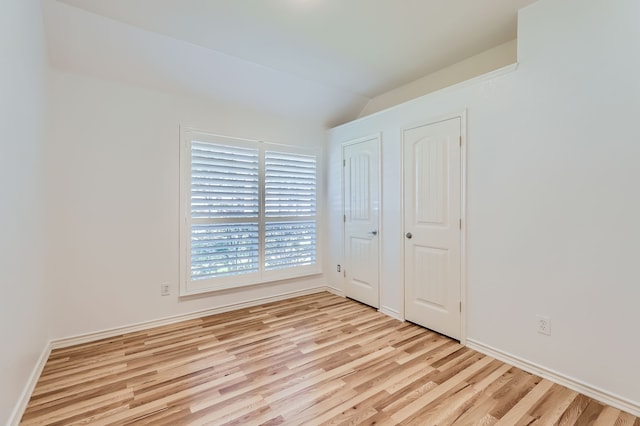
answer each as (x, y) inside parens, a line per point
(409, 235)
(374, 232)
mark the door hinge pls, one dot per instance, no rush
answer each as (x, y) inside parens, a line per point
(460, 223)
(344, 163)
(460, 306)
(460, 140)
(344, 218)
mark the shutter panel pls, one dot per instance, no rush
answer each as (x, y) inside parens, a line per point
(290, 185)
(225, 182)
(289, 244)
(219, 250)
(290, 194)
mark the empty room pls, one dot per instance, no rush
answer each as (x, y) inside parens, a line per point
(288, 212)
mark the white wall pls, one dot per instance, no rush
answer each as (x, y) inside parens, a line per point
(90, 44)
(23, 312)
(482, 63)
(114, 182)
(552, 210)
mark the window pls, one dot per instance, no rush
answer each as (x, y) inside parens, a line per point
(249, 212)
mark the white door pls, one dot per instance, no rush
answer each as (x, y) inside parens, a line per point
(361, 211)
(432, 222)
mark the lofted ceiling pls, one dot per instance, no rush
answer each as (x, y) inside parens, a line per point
(341, 52)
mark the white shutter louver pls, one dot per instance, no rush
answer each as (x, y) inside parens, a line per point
(290, 185)
(218, 250)
(225, 182)
(290, 193)
(290, 244)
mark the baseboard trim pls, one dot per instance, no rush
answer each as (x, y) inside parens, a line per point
(335, 291)
(117, 331)
(564, 380)
(391, 313)
(21, 405)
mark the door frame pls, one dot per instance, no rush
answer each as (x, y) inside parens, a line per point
(378, 138)
(462, 115)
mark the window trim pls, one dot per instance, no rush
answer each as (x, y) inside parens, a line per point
(190, 287)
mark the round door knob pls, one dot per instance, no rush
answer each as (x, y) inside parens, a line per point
(374, 232)
(409, 235)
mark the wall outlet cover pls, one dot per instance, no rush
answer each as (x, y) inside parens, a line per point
(543, 325)
(165, 289)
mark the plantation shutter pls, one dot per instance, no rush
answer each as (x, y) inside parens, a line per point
(225, 210)
(290, 210)
(248, 212)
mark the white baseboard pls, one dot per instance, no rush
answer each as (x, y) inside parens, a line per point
(569, 382)
(383, 309)
(21, 405)
(117, 331)
(335, 291)
(391, 313)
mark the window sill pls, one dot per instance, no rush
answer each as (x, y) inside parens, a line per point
(195, 288)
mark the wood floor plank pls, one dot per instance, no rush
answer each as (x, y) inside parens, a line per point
(486, 401)
(522, 407)
(574, 410)
(311, 360)
(626, 419)
(550, 408)
(608, 416)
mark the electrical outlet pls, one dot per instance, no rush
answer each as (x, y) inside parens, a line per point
(165, 289)
(338, 268)
(544, 325)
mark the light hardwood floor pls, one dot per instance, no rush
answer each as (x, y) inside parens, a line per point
(318, 359)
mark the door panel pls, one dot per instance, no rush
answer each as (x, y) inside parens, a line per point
(432, 212)
(431, 180)
(361, 207)
(361, 276)
(431, 265)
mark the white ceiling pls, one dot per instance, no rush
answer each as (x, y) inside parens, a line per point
(344, 52)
